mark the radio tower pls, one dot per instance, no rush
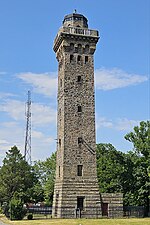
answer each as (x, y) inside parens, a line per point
(27, 151)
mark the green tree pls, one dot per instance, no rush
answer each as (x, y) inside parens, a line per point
(45, 171)
(16, 176)
(109, 168)
(17, 179)
(140, 138)
(115, 171)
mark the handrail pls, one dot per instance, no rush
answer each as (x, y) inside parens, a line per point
(78, 30)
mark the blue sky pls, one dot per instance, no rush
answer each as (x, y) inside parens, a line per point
(27, 62)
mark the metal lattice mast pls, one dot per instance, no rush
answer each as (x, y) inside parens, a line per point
(27, 151)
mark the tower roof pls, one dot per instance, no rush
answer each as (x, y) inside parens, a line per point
(75, 19)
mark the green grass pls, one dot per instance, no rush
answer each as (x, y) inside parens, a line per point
(133, 221)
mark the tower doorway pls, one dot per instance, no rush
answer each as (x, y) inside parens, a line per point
(105, 209)
(80, 202)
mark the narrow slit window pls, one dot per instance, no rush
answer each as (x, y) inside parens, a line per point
(59, 142)
(79, 108)
(86, 59)
(80, 140)
(79, 79)
(60, 82)
(79, 170)
(71, 58)
(59, 171)
(79, 58)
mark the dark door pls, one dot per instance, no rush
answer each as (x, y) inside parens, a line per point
(80, 203)
(104, 209)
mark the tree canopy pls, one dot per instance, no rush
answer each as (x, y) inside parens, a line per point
(16, 175)
(45, 171)
(140, 138)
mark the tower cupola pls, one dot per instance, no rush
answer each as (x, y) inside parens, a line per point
(75, 20)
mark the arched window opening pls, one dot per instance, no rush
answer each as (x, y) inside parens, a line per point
(86, 59)
(86, 49)
(71, 46)
(71, 58)
(79, 58)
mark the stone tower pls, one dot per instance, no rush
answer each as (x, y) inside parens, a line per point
(76, 191)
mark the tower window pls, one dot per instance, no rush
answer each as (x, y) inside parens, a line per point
(79, 108)
(79, 78)
(71, 58)
(79, 170)
(86, 59)
(79, 48)
(60, 82)
(80, 140)
(86, 50)
(59, 171)
(59, 142)
(71, 45)
(79, 58)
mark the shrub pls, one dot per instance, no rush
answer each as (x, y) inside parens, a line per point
(14, 210)
(30, 217)
(6, 210)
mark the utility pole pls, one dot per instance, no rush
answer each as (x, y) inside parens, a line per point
(27, 151)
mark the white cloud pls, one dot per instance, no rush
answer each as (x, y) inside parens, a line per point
(13, 133)
(14, 108)
(2, 141)
(125, 124)
(6, 95)
(41, 114)
(103, 122)
(120, 124)
(45, 83)
(108, 79)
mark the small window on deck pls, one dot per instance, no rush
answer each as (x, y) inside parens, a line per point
(71, 58)
(71, 45)
(79, 58)
(86, 59)
(86, 49)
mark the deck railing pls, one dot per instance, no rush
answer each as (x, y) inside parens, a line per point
(78, 30)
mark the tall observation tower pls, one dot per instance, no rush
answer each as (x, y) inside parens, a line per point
(76, 190)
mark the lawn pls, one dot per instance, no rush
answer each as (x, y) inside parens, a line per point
(133, 221)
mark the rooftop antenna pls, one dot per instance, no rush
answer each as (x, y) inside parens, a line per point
(27, 150)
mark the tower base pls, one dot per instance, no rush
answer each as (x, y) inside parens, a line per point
(76, 200)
